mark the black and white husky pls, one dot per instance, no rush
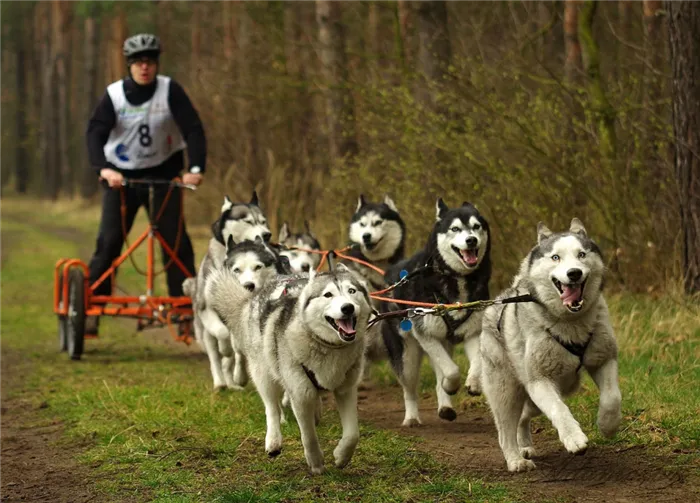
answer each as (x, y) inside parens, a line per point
(532, 352)
(457, 266)
(379, 235)
(301, 334)
(299, 259)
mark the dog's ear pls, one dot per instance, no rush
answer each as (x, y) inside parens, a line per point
(390, 203)
(543, 232)
(467, 204)
(228, 204)
(230, 243)
(284, 232)
(441, 208)
(577, 227)
(342, 268)
(360, 202)
(254, 200)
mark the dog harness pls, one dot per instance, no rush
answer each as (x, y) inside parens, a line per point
(578, 349)
(312, 377)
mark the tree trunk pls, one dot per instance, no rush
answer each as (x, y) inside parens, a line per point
(653, 17)
(434, 51)
(603, 111)
(196, 34)
(339, 100)
(684, 42)
(572, 64)
(21, 111)
(246, 116)
(89, 183)
(61, 20)
(51, 180)
(117, 61)
(404, 47)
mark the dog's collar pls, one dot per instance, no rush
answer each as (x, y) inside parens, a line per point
(327, 344)
(312, 377)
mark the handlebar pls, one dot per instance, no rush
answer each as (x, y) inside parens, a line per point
(174, 183)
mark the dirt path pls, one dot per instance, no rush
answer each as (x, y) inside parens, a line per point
(470, 445)
(37, 463)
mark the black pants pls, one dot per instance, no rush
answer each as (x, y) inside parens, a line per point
(110, 238)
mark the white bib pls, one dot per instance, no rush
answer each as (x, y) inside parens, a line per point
(145, 135)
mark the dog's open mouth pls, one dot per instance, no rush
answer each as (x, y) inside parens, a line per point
(372, 246)
(470, 256)
(571, 295)
(345, 327)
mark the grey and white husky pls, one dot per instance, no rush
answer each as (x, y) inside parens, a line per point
(301, 334)
(532, 352)
(238, 221)
(456, 267)
(252, 263)
(299, 259)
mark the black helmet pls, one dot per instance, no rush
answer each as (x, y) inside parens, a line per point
(142, 43)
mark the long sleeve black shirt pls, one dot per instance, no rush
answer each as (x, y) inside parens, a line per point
(104, 119)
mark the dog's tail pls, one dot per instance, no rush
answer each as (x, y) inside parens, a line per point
(226, 297)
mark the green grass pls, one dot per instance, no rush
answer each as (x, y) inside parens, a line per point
(143, 405)
(154, 431)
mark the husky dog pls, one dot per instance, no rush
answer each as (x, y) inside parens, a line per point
(532, 352)
(302, 335)
(240, 221)
(301, 261)
(252, 264)
(379, 234)
(456, 267)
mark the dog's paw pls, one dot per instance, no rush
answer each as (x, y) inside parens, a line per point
(520, 465)
(235, 387)
(609, 422)
(220, 388)
(317, 470)
(527, 452)
(411, 422)
(447, 413)
(450, 384)
(473, 386)
(575, 442)
(342, 456)
(274, 453)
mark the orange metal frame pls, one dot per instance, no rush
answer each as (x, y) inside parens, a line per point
(146, 308)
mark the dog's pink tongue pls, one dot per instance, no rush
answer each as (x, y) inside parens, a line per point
(570, 294)
(470, 256)
(345, 326)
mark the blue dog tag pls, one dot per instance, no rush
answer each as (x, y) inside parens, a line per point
(403, 274)
(406, 325)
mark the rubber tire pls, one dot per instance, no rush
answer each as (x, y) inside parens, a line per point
(62, 323)
(75, 322)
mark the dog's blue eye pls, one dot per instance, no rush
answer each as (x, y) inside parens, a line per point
(581, 254)
(351, 291)
(555, 258)
(328, 295)
(455, 229)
